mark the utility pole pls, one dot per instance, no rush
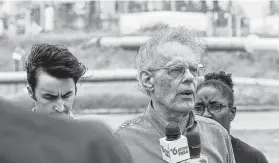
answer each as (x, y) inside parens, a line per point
(215, 12)
(238, 25)
(230, 19)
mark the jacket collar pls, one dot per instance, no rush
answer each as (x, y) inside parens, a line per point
(161, 123)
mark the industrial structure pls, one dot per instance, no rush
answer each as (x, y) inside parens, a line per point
(233, 18)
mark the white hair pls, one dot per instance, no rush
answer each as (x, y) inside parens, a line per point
(148, 52)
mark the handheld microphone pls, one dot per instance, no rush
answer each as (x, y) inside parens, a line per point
(194, 143)
(174, 146)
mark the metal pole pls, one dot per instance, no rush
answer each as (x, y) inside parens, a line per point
(173, 7)
(213, 43)
(238, 26)
(230, 30)
(28, 23)
(121, 75)
(42, 14)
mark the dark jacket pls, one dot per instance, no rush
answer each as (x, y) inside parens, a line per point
(245, 153)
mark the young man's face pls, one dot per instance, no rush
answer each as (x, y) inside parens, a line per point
(54, 96)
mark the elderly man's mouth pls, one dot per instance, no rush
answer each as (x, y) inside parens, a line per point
(187, 94)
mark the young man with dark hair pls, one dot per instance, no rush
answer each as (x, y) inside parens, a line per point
(52, 74)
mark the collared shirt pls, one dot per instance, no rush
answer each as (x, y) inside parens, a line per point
(141, 135)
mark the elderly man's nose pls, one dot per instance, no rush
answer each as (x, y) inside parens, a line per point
(188, 77)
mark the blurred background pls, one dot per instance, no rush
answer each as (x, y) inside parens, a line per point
(242, 39)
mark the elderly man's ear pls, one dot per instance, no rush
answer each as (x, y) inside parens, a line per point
(147, 80)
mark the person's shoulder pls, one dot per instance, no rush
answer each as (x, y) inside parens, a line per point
(210, 126)
(246, 149)
(210, 123)
(131, 124)
(241, 145)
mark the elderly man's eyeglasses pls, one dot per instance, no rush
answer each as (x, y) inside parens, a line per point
(199, 109)
(179, 71)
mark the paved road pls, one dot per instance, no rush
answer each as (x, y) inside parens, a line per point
(243, 120)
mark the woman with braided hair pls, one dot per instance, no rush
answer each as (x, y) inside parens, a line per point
(215, 100)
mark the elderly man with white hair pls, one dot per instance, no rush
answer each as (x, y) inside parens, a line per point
(167, 72)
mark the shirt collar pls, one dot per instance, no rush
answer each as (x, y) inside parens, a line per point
(160, 123)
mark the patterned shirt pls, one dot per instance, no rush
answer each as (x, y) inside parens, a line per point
(141, 135)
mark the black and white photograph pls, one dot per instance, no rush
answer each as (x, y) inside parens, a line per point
(138, 81)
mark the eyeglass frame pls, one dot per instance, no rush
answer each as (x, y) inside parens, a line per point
(209, 106)
(198, 69)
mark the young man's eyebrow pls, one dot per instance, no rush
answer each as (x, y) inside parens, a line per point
(69, 92)
(48, 94)
(47, 91)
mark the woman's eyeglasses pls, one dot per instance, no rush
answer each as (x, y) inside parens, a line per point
(212, 108)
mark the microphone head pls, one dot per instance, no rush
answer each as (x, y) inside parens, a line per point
(172, 131)
(194, 143)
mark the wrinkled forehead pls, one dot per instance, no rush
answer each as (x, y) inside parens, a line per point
(48, 83)
(209, 93)
(175, 52)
